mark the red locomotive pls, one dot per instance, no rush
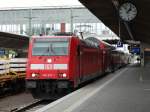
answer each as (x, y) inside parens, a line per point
(58, 63)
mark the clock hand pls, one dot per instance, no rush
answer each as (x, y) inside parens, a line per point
(129, 9)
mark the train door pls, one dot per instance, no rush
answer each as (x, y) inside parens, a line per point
(79, 69)
(109, 61)
(101, 61)
(104, 60)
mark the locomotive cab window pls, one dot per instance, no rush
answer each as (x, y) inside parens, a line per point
(50, 47)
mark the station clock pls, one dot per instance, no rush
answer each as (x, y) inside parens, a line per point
(127, 11)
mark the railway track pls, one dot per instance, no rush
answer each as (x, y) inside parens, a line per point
(32, 106)
(7, 94)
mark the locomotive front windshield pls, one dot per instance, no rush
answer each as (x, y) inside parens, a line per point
(50, 47)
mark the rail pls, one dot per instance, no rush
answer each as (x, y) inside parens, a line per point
(36, 104)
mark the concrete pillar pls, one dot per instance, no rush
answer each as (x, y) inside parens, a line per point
(142, 58)
(63, 27)
(145, 58)
(21, 29)
(142, 55)
(43, 29)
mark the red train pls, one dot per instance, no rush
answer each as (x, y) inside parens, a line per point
(57, 63)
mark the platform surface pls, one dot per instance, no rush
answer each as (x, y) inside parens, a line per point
(126, 90)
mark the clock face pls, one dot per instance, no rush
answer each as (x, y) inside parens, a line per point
(127, 12)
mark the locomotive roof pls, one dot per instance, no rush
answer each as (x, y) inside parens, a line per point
(56, 34)
(90, 43)
(51, 36)
(63, 34)
(95, 40)
(98, 42)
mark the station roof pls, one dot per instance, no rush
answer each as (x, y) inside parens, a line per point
(106, 11)
(13, 41)
(46, 15)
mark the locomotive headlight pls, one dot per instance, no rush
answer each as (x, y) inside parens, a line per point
(64, 75)
(34, 75)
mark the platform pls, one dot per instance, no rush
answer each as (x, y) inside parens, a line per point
(126, 90)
